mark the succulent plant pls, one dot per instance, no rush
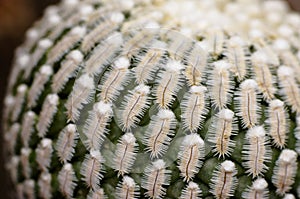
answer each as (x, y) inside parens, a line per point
(156, 99)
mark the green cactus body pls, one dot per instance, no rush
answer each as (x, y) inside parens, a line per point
(156, 99)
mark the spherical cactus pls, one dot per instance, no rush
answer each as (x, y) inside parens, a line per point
(156, 99)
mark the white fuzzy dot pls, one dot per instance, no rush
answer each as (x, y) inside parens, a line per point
(122, 63)
(228, 166)
(288, 156)
(166, 114)
(260, 184)
(45, 43)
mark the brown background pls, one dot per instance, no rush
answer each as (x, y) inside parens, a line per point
(15, 17)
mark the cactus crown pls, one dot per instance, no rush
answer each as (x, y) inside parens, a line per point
(174, 99)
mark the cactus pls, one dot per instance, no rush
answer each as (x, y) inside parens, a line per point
(156, 99)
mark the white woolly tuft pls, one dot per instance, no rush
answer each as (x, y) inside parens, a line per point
(285, 71)
(78, 30)
(76, 55)
(276, 103)
(226, 114)
(259, 57)
(103, 108)
(257, 131)
(228, 166)
(198, 89)
(289, 196)
(174, 66)
(288, 156)
(85, 9)
(165, 114)
(260, 184)
(221, 65)
(249, 84)
(122, 63)
(46, 70)
(45, 43)
(281, 45)
(117, 17)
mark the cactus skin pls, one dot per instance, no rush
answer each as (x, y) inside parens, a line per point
(159, 99)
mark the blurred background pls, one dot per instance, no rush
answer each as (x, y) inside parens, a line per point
(16, 16)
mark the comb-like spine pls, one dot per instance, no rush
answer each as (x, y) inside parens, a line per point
(19, 101)
(95, 127)
(101, 31)
(41, 78)
(169, 83)
(125, 154)
(66, 142)
(190, 156)
(67, 180)
(44, 154)
(192, 191)
(115, 80)
(257, 190)
(220, 131)
(277, 123)
(220, 84)
(96, 194)
(263, 75)
(236, 56)
(285, 171)
(155, 177)
(127, 189)
(27, 127)
(224, 180)
(91, 169)
(157, 137)
(196, 62)
(67, 70)
(255, 152)
(148, 63)
(247, 105)
(193, 108)
(103, 54)
(44, 183)
(289, 87)
(65, 44)
(47, 114)
(81, 94)
(24, 160)
(134, 106)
